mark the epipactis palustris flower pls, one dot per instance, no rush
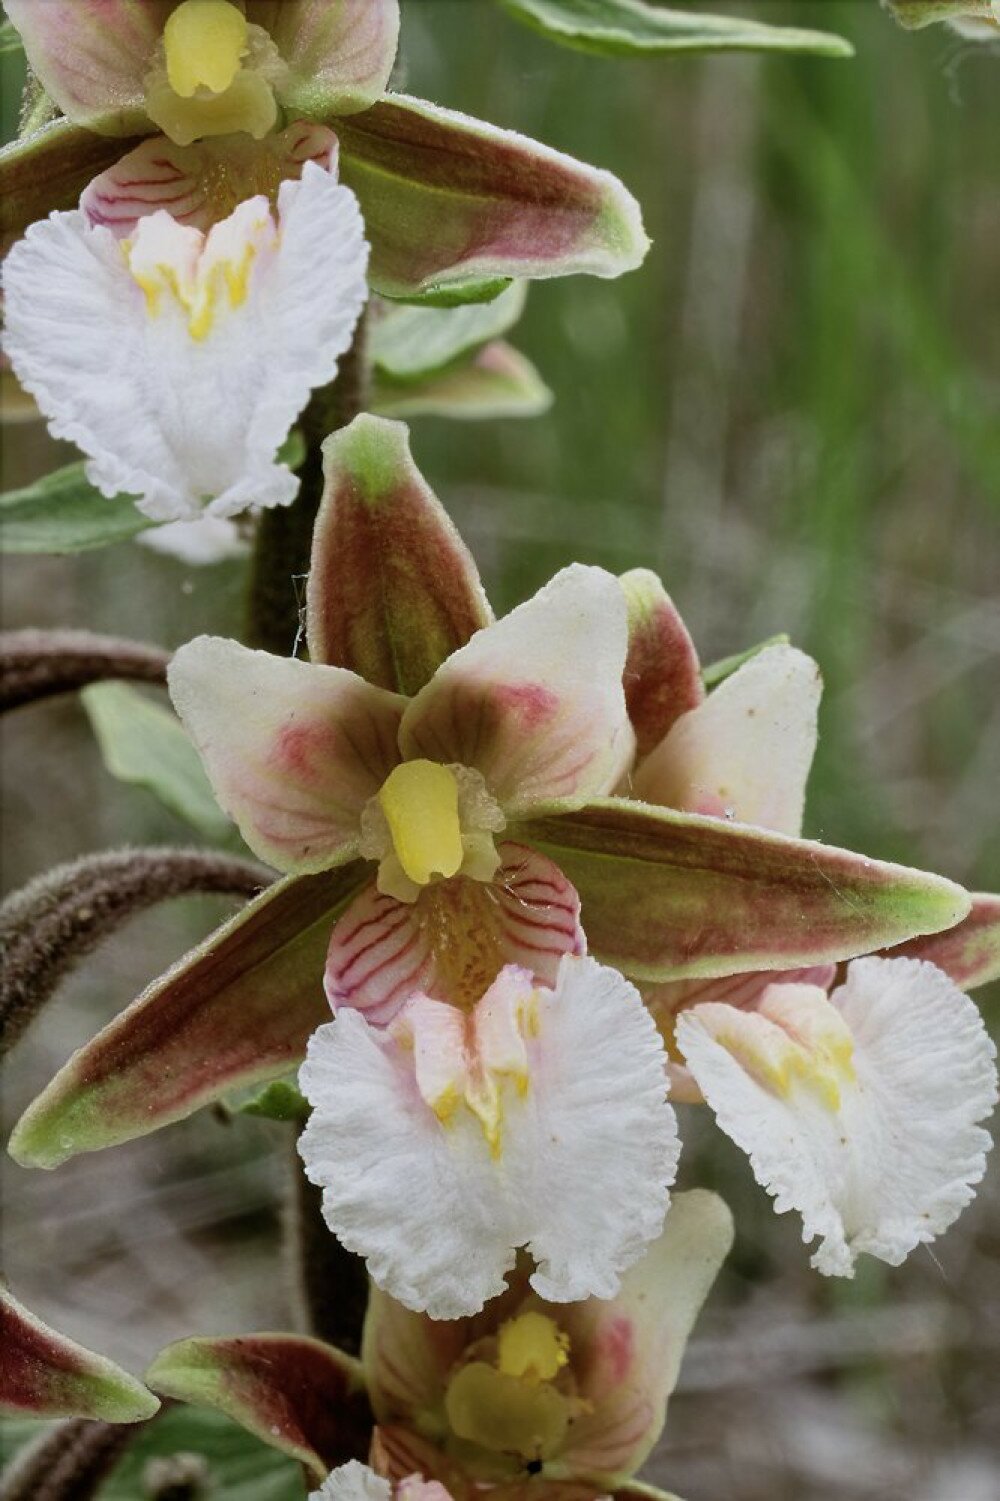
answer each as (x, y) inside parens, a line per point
(859, 1107)
(562, 1399)
(451, 1139)
(455, 774)
(177, 360)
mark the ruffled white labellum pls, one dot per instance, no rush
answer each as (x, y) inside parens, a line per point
(449, 1140)
(356, 1482)
(209, 539)
(859, 1110)
(177, 360)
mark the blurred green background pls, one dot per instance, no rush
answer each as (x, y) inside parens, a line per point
(791, 412)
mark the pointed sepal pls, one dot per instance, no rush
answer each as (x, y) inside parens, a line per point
(45, 1375)
(237, 1010)
(662, 673)
(450, 201)
(669, 895)
(298, 1395)
(393, 589)
(969, 953)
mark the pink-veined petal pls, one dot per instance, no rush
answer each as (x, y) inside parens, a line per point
(45, 1375)
(92, 56)
(662, 672)
(392, 589)
(339, 52)
(744, 753)
(557, 1136)
(302, 1397)
(199, 185)
(449, 200)
(48, 170)
(860, 1111)
(453, 941)
(294, 749)
(629, 1349)
(535, 702)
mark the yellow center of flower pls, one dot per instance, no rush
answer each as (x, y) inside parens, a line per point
(214, 75)
(213, 284)
(204, 41)
(420, 803)
(513, 1407)
(532, 1346)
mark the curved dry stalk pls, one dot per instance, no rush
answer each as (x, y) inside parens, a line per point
(36, 665)
(54, 921)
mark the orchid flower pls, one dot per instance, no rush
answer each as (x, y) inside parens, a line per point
(178, 360)
(455, 774)
(858, 1108)
(447, 200)
(451, 1139)
(568, 1399)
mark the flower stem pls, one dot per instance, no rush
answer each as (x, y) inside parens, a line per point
(280, 561)
(330, 1285)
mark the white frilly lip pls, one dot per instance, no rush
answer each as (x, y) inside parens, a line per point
(860, 1110)
(183, 397)
(447, 1142)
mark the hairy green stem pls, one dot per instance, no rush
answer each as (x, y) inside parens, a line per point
(280, 561)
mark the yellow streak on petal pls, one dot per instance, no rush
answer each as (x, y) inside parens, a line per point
(533, 1347)
(420, 803)
(204, 41)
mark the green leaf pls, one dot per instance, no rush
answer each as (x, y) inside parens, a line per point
(717, 672)
(64, 513)
(410, 342)
(497, 381)
(144, 743)
(239, 1467)
(281, 1100)
(623, 28)
(447, 296)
